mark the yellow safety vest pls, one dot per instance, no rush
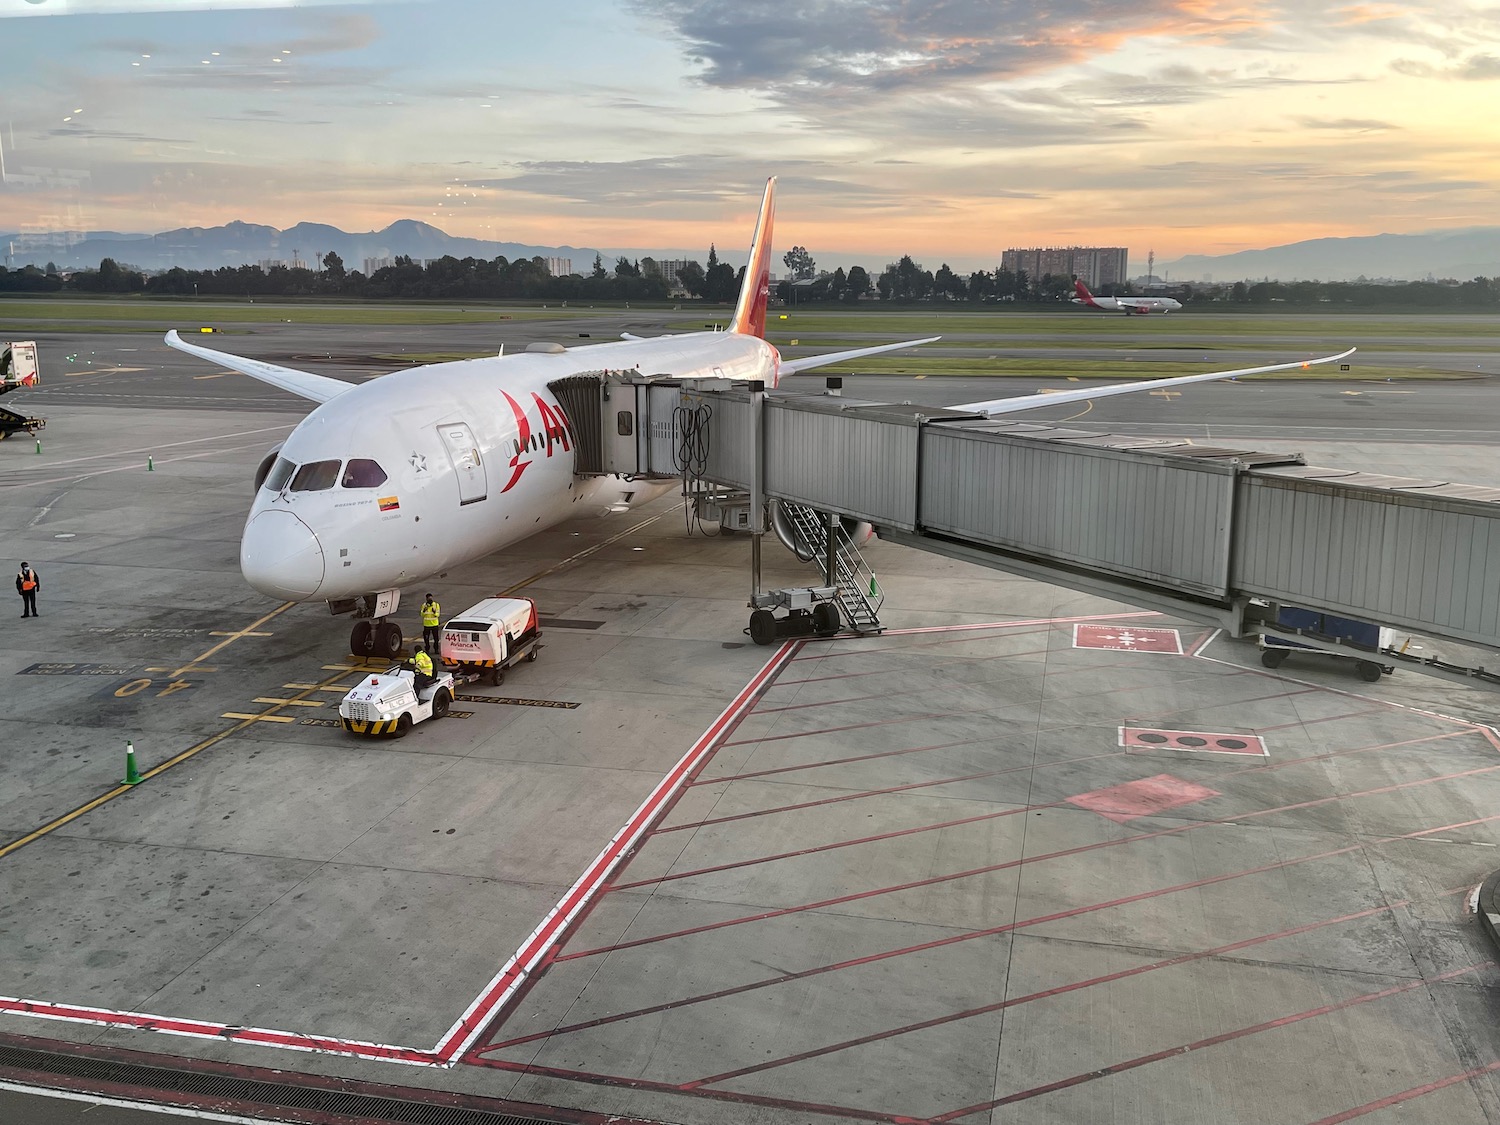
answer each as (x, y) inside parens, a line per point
(431, 614)
(423, 663)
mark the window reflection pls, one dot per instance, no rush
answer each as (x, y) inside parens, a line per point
(280, 473)
(315, 476)
(363, 473)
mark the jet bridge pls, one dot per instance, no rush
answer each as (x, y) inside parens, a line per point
(1213, 534)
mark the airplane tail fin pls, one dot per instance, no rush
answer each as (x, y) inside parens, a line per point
(755, 291)
(1083, 292)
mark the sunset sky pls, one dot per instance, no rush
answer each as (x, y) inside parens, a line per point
(946, 129)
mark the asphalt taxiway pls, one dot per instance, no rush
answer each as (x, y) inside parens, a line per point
(1028, 856)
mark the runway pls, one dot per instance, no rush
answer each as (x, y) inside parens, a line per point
(973, 870)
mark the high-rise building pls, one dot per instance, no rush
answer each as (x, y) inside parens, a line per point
(1098, 267)
(559, 267)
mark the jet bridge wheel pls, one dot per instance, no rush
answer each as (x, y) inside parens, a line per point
(1368, 670)
(825, 619)
(762, 626)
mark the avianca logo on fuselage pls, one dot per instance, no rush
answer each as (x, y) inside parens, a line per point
(554, 430)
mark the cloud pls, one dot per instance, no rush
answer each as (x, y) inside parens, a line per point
(1346, 124)
(1476, 68)
(844, 47)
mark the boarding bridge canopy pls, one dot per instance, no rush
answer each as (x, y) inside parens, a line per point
(1156, 521)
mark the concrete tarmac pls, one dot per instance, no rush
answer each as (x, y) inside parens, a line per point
(1029, 856)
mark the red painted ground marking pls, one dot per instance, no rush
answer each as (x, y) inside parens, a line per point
(854, 726)
(977, 934)
(1128, 639)
(1198, 1045)
(1406, 1095)
(1324, 719)
(1192, 741)
(905, 670)
(1121, 803)
(537, 950)
(839, 800)
(1029, 621)
(595, 1079)
(1079, 850)
(991, 816)
(513, 976)
(927, 665)
(1046, 994)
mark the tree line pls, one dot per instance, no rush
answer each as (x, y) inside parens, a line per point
(901, 282)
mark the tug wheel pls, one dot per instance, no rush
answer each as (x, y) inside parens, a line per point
(442, 703)
(403, 725)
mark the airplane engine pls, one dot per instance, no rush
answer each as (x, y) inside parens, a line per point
(858, 532)
(263, 470)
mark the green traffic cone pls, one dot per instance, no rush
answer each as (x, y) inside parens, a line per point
(150, 464)
(132, 775)
(38, 445)
(874, 589)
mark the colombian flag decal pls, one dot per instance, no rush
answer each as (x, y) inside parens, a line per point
(389, 503)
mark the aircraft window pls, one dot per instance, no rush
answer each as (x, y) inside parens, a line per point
(363, 473)
(280, 473)
(315, 476)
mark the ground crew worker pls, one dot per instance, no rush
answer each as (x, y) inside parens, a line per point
(421, 664)
(431, 614)
(27, 584)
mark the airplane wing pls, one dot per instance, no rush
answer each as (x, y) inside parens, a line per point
(797, 366)
(1033, 401)
(319, 388)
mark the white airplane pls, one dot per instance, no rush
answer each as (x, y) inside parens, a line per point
(1138, 306)
(389, 482)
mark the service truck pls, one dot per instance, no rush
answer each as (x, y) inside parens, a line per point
(18, 369)
(489, 637)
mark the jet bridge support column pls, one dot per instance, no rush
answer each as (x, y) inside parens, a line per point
(757, 482)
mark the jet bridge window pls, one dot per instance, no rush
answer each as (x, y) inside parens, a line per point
(363, 473)
(315, 476)
(280, 473)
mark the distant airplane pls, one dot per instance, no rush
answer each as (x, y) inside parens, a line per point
(1138, 306)
(389, 482)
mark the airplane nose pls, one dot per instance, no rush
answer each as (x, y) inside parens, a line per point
(280, 556)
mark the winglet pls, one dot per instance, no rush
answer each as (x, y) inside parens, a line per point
(755, 291)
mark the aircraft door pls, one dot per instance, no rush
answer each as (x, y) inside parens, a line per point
(468, 466)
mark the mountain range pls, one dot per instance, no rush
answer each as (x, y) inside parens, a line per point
(1457, 254)
(237, 244)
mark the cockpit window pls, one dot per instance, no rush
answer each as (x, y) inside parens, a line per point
(280, 473)
(315, 476)
(363, 473)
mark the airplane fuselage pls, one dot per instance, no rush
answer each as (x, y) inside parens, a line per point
(428, 468)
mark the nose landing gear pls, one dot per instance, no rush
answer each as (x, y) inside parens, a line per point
(379, 639)
(373, 635)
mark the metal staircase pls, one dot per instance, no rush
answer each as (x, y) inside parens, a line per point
(858, 596)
